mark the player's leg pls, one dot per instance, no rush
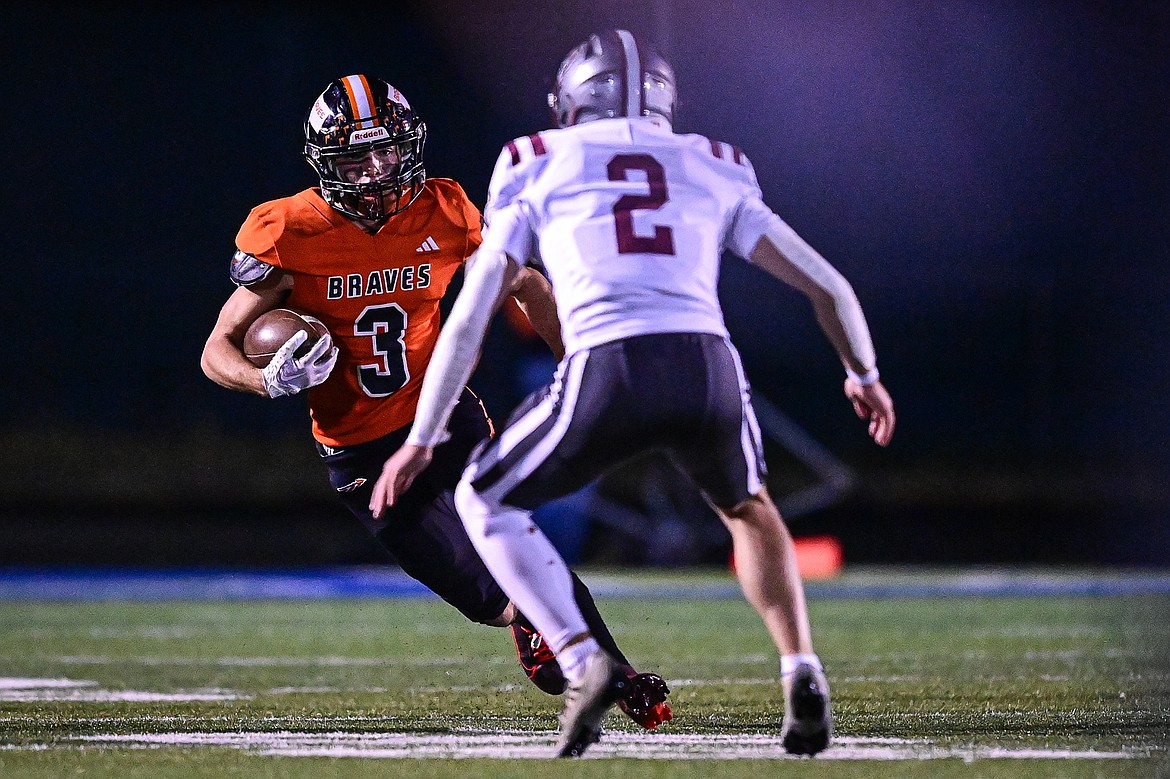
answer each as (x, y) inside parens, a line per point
(765, 563)
(556, 446)
(532, 572)
(727, 464)
(422, 532)
(426, 538)
(537, 657)
(467, 427)
(547, 449)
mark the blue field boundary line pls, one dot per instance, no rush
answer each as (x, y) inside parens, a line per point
(132, 584)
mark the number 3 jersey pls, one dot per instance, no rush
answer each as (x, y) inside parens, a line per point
(629, 221)
(378, 295)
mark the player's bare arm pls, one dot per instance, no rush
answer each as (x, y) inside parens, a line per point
(490, 274)
(223, 358)
(534, 295)
(839, 315)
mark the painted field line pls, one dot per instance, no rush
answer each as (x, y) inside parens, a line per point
(285, 662)
(24, 690)
(528, 745)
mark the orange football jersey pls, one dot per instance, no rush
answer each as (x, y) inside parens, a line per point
(378, 295)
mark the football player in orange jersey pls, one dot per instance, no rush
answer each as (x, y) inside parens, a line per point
(370, 253)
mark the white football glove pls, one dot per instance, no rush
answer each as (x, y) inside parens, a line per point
(288, 375)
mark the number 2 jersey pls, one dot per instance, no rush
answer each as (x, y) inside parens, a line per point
(378, 295)
(629, 221)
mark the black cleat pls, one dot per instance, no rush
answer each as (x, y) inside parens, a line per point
(808, 716)
(587, 703)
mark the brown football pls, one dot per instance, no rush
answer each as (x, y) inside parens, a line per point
(270, 331)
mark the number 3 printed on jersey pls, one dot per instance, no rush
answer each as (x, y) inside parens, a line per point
(628, 242)
(386, 324)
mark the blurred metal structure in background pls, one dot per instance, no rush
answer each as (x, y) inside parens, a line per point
(836, 478)
(652, 514)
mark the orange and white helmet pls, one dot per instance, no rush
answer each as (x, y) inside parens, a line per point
(354, 116)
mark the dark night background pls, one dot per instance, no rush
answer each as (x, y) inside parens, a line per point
(991, 176)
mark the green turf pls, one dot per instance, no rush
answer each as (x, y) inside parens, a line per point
(1083, 673)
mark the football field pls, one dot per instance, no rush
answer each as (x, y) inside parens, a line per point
(934, 674)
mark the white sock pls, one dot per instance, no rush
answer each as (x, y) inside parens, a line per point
(572, 659)
(789, 663)
(531, 573)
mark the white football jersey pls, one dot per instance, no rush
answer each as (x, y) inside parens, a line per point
(629, 220)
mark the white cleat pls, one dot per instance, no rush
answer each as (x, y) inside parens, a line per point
(587, 703)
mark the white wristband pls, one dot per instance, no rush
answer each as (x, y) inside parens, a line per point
(864, 379)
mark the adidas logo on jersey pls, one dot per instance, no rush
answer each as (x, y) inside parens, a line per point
(428, 245)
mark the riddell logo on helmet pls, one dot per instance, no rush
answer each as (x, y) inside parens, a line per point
(372, 134)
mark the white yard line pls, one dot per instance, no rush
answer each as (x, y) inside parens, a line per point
(527, 745)
(109, 696)
(279, 662)
(19, 683)
(21, 690)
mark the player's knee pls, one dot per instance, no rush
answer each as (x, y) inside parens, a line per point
(503, 619)
(755, 508)
(473, 510)
(479, 513)
(484, 516)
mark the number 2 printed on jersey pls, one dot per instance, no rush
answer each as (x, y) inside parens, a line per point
(629, 242)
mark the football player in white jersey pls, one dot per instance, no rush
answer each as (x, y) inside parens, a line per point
(630, 220)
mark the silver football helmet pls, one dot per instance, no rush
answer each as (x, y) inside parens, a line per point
(609, 75)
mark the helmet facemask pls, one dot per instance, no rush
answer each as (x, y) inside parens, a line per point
(358, 119)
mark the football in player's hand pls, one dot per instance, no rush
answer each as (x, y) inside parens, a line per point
(273, 328)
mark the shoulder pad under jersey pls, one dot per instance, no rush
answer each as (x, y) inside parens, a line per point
(735, 156)
(246, 270)
(513, 169)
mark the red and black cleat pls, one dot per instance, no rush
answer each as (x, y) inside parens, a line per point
(538, 661)
(645, 701)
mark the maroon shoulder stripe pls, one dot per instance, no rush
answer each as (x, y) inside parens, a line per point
(511, 147)
(537, 144)
(737, 155)
(717, 149)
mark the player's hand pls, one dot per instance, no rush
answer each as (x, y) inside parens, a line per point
(873, 403)
(286, 374)
(398, 474)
